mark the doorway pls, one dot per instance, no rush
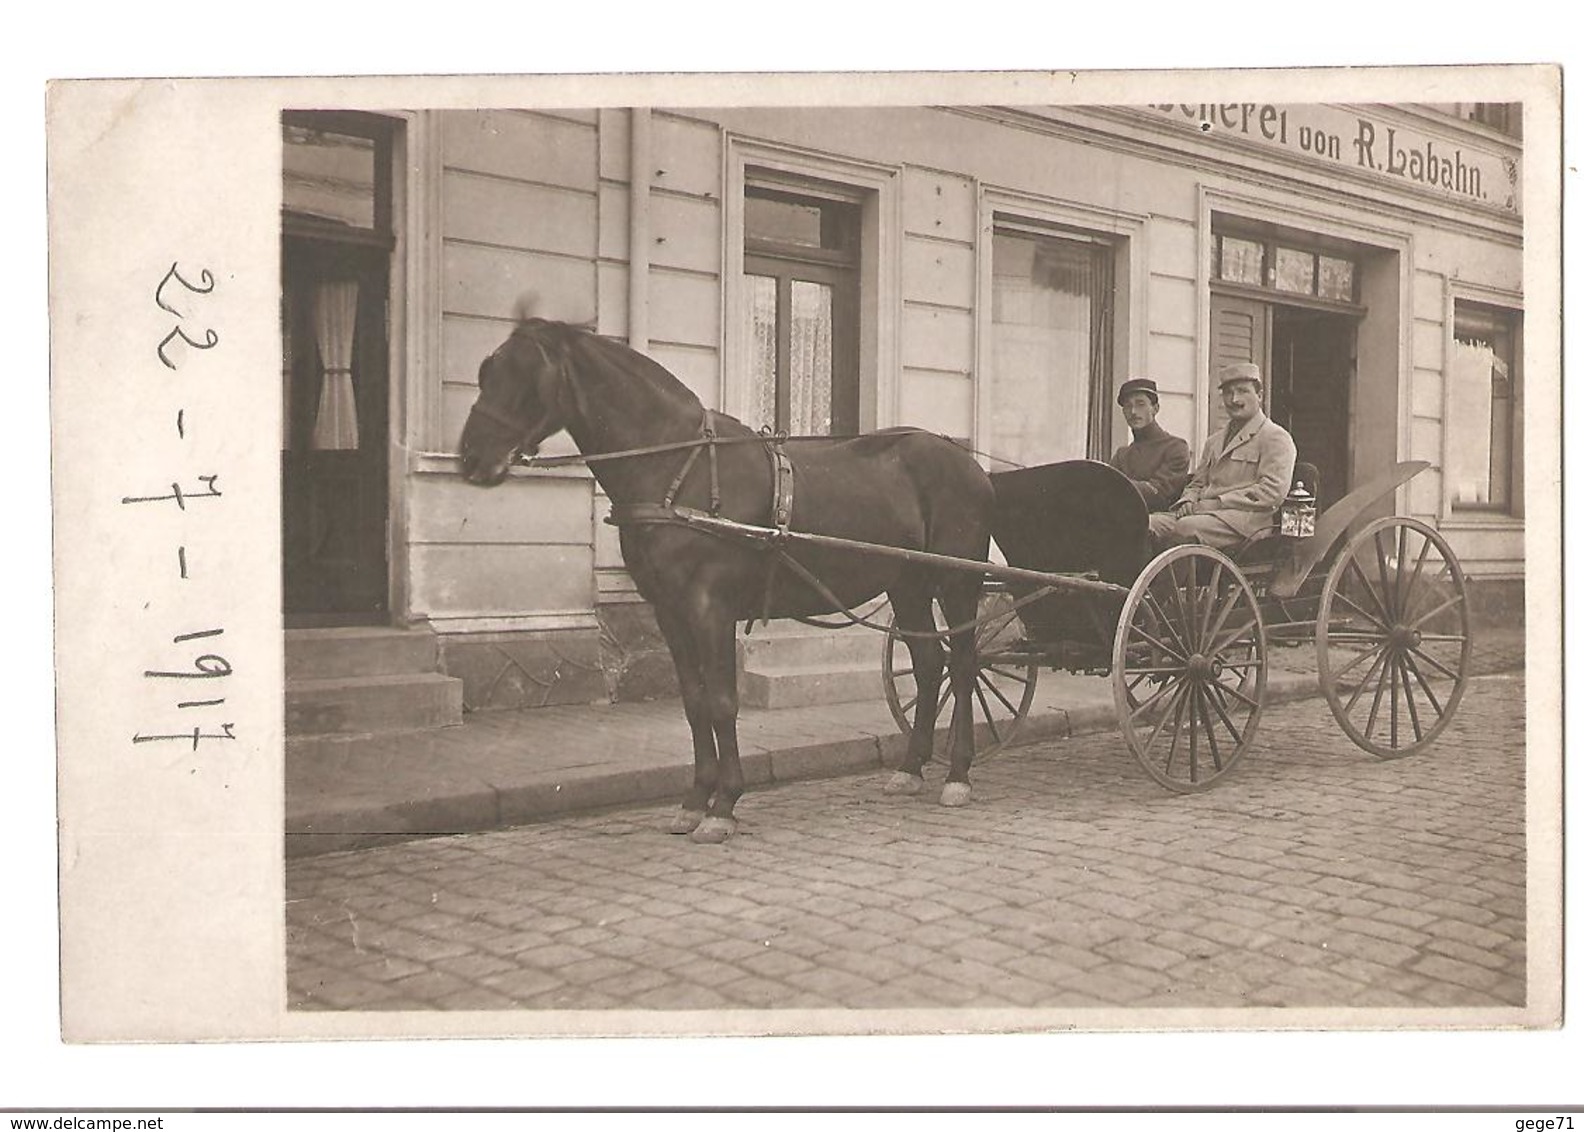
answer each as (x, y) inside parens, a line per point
(1312, 361)
(1308, 357)
(336, 241)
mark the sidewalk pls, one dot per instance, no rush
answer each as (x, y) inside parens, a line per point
(512, 767)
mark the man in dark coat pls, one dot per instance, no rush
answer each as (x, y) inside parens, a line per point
(1157, 462)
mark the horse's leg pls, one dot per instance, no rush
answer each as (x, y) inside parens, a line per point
(911, 602)
(959, 598)
(715, 631)
(690, 679)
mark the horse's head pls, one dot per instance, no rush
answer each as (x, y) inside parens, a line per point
(523, 399)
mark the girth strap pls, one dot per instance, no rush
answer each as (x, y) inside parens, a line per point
(781, 480)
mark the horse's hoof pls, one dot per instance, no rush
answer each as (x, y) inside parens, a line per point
(686, 821)
(904, 783)
(954, 794)
(713, 831)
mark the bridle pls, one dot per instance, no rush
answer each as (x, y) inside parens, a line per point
(523, 430)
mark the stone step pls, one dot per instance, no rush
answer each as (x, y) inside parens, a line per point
(317, 654)
(766, 648)
(351, 705)
(787, 686)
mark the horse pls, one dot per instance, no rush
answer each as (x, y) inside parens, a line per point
(642, 432)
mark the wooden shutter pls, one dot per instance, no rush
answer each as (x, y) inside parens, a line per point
(1239, 332)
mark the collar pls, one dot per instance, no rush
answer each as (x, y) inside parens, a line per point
(1249, 428)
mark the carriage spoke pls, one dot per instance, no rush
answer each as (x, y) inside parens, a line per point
(1215, 749)
(1430, 695)
(996, 692)
(1193, 732)
(1213, 595)
(1151, 702)
(1447, 604)
(1380, 560)
(1006, 675)
(1225, 643)
(1413, 709)
(1364, 683)
(1182, 649)
(1238, 693)
(1394, 667)
(1380, 643)
(1362, 612)
(1175, 714)
(1182, 609)
(1221, 619)
(1434, 663)
(1429, 589)
(1413, 580)
(1385, 615)
(1380, 690)
(984, 706)
(1157, 644)
(1402, 553)
(1176, 727)
(1220, 707)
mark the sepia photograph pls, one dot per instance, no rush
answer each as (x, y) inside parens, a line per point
(820, 555)
(1057, 558)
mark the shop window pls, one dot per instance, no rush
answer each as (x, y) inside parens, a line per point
(1483, 414)
(1051, 297)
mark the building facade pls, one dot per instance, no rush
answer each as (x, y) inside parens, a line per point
(991, 273)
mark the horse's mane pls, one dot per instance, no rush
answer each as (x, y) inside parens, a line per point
(616, 358)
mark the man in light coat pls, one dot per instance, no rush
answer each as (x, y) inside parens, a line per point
(1243, 475)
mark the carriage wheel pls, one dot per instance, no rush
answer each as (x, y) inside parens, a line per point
(1393, 638)
(1003, 685)
(1188, 667)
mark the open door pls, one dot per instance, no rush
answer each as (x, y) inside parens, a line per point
(335, 281)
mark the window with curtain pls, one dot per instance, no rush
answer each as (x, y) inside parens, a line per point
(1051, 323)
(1483, 416)
(801, 315)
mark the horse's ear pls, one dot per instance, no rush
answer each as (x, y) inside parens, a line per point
(527, 306)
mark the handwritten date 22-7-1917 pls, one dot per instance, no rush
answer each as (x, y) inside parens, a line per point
(182, 300)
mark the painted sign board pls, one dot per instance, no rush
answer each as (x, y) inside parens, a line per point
(1411, 156)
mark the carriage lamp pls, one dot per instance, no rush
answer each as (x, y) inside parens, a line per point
(1296, 516)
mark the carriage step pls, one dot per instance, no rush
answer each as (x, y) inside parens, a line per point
(351, 705)
(317, 654)
(791, 686)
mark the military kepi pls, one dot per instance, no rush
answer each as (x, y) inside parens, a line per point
(1138, 385)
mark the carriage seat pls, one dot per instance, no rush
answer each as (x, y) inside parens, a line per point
(1267, 545)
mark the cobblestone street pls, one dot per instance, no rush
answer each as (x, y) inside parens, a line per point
(1316, 876)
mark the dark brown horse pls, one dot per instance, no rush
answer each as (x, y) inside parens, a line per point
(899, 487)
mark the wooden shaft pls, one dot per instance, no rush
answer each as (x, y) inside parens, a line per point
(921, 557)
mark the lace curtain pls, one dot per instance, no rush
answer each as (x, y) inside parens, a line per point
(335, 326)
(1049, 307)
(811, 359)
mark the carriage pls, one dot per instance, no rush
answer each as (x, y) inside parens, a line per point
(1185, 636)
(721, 524)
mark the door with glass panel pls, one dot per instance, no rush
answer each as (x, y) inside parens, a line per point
(801, 309)
(335, 275)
